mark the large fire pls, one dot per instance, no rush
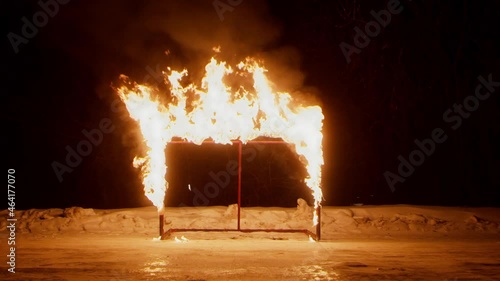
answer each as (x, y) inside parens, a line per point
(213, 110)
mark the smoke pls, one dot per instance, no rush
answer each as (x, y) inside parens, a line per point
(115, 33)
(115, 36)
(197, 27)
(141, 38)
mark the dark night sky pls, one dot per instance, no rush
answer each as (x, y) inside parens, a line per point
(394, 91)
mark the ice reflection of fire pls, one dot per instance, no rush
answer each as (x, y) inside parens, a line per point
(214, 110)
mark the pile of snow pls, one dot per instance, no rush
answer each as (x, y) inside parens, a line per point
(366, 221)
(410, 220)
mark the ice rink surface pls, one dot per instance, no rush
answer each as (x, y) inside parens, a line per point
(261, 257)
(376, 243)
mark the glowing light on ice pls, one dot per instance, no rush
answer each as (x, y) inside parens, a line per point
(182, 240)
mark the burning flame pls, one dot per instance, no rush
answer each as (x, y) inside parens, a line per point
(214, 110)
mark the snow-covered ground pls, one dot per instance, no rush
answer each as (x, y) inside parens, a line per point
(358, 243)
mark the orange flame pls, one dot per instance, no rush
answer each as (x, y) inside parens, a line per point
(222, 113)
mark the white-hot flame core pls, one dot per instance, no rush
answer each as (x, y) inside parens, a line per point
(222, 113)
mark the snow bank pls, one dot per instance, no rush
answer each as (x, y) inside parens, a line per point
(366, 221)
(410, 220)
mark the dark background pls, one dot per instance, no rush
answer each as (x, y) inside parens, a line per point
(395, 91)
